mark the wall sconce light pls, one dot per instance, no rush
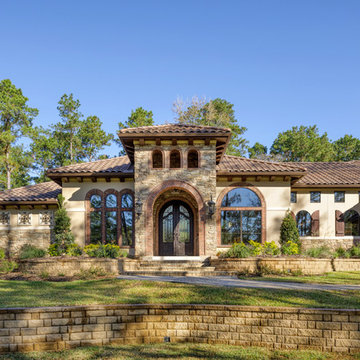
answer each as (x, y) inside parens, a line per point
(138, 207)
(211, 207)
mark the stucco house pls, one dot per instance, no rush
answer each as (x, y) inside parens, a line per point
(176, 193)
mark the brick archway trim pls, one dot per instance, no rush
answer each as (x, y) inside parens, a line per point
(149, 220)
(218, 209)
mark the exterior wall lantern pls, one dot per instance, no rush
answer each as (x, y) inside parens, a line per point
(211, 207)
(138, 207)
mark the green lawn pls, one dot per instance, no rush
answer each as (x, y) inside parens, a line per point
(340, 278)
(112, 291)
(177, 351)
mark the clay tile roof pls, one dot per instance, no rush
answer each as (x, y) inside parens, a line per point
(46, 191)
(117, 165)
(235, 164)
(174, 129)
(331, 173)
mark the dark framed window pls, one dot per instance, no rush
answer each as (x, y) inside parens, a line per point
(339, 196)
(111, 217)
(315, 196)
(157, 159)
(303, 222)
(175, 159)
(293, 197)
(352, 223)
(241, 217)
(193, 159)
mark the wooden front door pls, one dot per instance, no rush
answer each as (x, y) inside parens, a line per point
(176, 229)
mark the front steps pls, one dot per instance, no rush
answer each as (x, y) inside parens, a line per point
(197, 267)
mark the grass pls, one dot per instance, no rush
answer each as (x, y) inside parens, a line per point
(339, 278)
(178, 351)
(115, 291)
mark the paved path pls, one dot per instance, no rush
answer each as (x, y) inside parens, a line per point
(233, 281)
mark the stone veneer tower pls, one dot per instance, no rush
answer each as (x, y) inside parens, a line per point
(157, 185)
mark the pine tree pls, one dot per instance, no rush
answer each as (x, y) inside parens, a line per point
(289, 230)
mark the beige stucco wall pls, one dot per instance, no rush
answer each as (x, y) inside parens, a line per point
(277, 199)
(75, 194)
(327, 208)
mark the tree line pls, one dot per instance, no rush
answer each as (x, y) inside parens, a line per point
(77, 138)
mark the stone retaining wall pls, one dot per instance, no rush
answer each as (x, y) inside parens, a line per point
(67, 266)
(28, 329)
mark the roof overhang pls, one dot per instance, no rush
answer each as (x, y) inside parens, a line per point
(59, 178)
(222, 141)
(30, 203)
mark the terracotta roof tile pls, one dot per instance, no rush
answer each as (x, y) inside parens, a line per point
(235, 164)
(175, 129)
(331, 173)
(119, 164)
(39, 192)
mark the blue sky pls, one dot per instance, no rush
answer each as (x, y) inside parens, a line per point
(281, 63)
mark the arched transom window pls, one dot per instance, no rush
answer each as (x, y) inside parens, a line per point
(157, 159)
(110, 217)
(241, 216)
(304, 223)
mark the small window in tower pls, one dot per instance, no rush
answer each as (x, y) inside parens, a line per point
(175, 161)
(193, 159)
(157, 159)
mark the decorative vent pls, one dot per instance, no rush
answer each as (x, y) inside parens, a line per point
(24, 218)
(46, 218)
(4, 218)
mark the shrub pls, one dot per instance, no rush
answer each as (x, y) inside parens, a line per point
(270, 248)
(62, 231)
(340, 252)
(92, 273)
(238, 250)
(289, 230)
(354, 251)
(7, 266)
(105, 251)
(74, 250)
(290, 248)
(255, 248)
(30, 252)
(2, 253)
(318, 252)
(54, 250)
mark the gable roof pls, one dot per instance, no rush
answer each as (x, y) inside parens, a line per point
(175, 132)
(239, 165)
(46, 192)
(330, 174)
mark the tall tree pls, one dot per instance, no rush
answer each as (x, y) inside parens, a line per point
(15, 119)
(303, 143)
(138, 117)
(257, 151)
(217, 112)
(347, 148)
(93, 138)
(70, 115)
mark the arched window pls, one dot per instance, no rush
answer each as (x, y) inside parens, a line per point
(303, 221)
(193, 159)
(352, 223)
(157, 159)
(110, 218)
(175, 160)
(241, 216)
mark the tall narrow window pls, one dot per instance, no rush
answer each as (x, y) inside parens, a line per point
(111, 234)
(193, 159)
(175, 161)
(95, 218)
(127, 219)
(157, 159)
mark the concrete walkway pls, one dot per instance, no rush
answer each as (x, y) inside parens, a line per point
(232, 281)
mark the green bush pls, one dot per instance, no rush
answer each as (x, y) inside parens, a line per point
(255, 248)
(289, 230)
(237, 250)
(74, 250)
(270, 248)
(54, 250)
(319, 252)
(354, 251)
(30, 252)
(2, 253)
(340, 252)
(290, 248)
(7, 266)
(104, 251)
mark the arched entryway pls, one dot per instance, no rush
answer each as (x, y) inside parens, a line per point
(176, 229)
